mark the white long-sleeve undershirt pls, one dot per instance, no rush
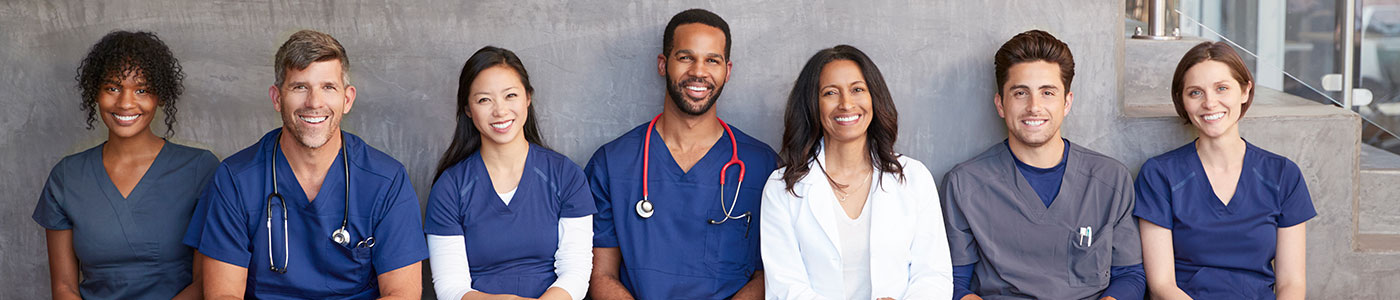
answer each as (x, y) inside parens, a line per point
(573, 261)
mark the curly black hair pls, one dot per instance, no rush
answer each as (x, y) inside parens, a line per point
(141, 53)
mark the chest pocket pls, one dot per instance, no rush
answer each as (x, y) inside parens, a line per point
(732, 243)
(348, 269)
(1088, 264)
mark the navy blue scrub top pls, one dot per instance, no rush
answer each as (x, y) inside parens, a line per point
(127, 248)
(382, 205)
(1223, 251)
(677, 253)
(510, 247)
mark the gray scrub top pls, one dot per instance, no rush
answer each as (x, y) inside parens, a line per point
(1025, 250)
(127, 248)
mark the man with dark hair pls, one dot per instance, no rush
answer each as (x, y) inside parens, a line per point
(1035, 216)
(681, 244)
(309, 211)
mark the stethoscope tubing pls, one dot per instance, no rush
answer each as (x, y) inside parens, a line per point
(341, 235)
(644, 207)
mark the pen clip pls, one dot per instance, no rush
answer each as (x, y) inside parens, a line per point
(1086, 236)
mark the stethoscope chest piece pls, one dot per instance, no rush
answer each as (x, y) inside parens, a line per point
(341, 236)
(644, 208)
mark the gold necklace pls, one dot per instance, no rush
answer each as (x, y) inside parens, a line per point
(839, 188)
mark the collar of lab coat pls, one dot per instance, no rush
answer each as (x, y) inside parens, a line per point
(888, 215)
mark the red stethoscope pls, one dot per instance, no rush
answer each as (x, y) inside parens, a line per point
(644, 207)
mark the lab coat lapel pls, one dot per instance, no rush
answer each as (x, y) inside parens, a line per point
(821, 198)
(890, 237)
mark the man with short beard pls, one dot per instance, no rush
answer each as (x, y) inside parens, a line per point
(1036, 216)
(309, 211)
(659, 232)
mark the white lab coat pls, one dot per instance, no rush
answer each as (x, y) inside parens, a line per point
(908, 247)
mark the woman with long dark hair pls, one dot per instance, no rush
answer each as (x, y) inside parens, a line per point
(1221, 218)
(507, 217)
(116, 212)
(845, 217)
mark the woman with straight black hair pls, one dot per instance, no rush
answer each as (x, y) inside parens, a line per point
(845, 217)
(116, 212)
(507, 217)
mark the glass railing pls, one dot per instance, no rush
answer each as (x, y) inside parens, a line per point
(1297, 47)
(1378, 71)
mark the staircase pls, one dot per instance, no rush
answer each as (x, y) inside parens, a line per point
(1354, 242)
(1378, 220)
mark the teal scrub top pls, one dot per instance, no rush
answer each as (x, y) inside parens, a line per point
(127, 247)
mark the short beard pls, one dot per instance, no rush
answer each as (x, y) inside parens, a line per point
(309, 139)
(679, 98)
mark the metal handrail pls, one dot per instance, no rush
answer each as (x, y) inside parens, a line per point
(1157, 23)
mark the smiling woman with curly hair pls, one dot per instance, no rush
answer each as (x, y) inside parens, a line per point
(117, 211)
(121, 54)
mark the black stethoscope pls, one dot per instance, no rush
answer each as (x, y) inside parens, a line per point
(339, 236)
(644, 207)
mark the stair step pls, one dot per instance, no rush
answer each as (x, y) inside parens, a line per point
(1374, 158)
(1378, 219)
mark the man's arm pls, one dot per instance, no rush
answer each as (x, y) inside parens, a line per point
(224, 240)
(224, 281)
(1127, 281)
(404, 283)
(962, 244)
(604, 284)
(752, 290)
(402, 247)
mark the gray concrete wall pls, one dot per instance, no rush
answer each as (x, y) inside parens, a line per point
(593, 64)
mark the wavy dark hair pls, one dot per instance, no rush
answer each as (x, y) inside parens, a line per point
(802, 129)
(139, 53)
(466, 139)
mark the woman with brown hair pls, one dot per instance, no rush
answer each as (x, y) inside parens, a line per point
(1220, 217)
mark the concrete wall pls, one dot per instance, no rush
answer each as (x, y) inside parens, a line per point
(593, 64)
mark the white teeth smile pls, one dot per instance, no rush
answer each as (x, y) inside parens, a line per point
(126, 118)
(314, 120)
(1033, 122)
(1214, 116)
(502, 125)
(847, 119)
(697, 88)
